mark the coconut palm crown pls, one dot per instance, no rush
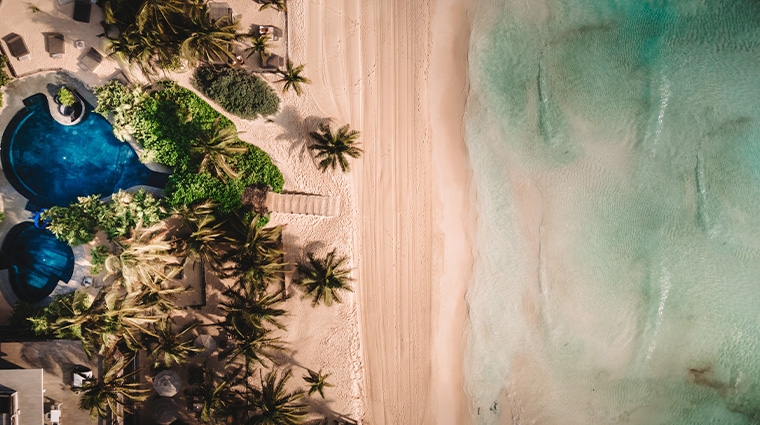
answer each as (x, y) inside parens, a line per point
(279, 5)
(103, 396)
(317, 382)
(216, 149)
(259, 45)
(333, 148)
(293, 79)
(170, 347)
(274, 405)
(324, 278)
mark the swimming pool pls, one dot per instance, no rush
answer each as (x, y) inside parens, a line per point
(36, 261)
(54, 164)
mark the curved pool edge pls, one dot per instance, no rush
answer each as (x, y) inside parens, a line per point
(36, 261)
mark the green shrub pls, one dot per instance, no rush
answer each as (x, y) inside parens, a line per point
(125, 210)
(255, 166)
(4, 77)
(25, 314)
(112, 95)
(238, 92)
(2, 216)
(66, 97)
(78, 223)
(166, 123)
(99, 255)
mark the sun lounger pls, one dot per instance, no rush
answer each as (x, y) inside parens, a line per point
(218, 11)
(16, 47)
(82, 11)
(91, 60)
(54, 44)
(79, 377)
(271, 62)
(273, 32)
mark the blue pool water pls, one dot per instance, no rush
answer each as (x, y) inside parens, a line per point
(53, 164)
(36, 261)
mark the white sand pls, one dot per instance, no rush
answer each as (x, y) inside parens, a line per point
(395, 346)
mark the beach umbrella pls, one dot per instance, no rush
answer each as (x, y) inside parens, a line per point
(207, 343)
(165, 410)
(167, 383)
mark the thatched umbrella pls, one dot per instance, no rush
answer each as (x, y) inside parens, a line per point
(207, 343)
(167, 383)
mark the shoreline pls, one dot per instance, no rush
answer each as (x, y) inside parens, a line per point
(449, 87)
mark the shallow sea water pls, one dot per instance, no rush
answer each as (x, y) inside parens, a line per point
(615, 148)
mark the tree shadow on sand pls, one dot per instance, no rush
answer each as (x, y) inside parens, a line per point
(296, 130)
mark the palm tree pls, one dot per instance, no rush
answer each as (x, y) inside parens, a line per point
(209, 41)
(274, 405)
(332, 148)
(258, 261)
(255, 347)
(217, 148)
(252, 310)
(279, 5)
(137, 48)
(161, 15)
(204, 243)
(317, 382)
(259, 45)
(293, 79)
(104, 395)
(169, 347)
(158, 297)
(143, 259)
(213, 397)
(323, 278)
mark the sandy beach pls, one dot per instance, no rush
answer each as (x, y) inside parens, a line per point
(395, 71)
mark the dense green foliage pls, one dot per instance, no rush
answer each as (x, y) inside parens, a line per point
(2, 216)
(66, 97)
(162, 34)
(238, 92)
(4, 77)
(99, 255)
(170, 124)
(78, 223)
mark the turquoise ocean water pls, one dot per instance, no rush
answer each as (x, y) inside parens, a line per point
(615, 148)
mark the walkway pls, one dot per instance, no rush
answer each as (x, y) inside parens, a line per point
(291, 203)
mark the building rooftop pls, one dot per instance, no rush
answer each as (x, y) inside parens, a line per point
(27, 385)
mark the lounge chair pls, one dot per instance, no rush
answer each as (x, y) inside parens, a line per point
(91, 60)
(273, 32)
(219, 11)
(54, 45)
(82, 11)
(17, 47)
(272, 62)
